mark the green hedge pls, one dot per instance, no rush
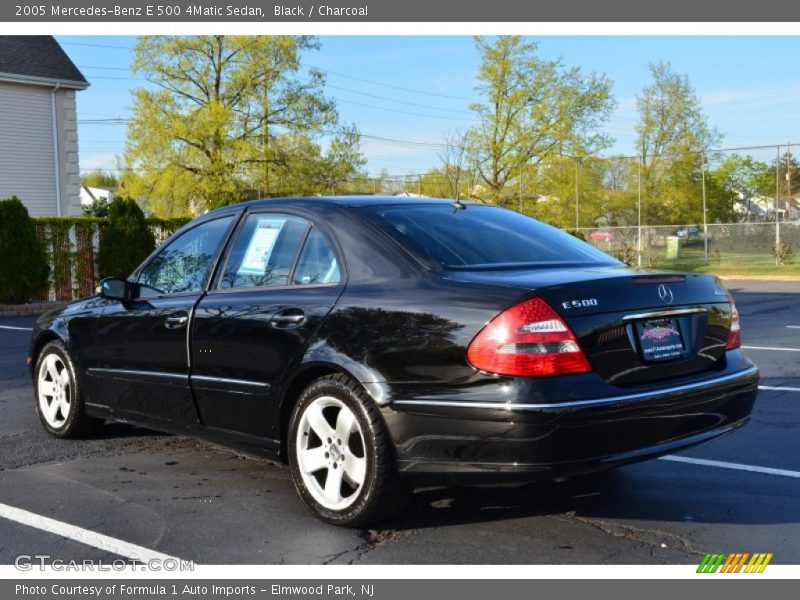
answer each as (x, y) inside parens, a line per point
(71, 246)
(127, 240)
(23, 264)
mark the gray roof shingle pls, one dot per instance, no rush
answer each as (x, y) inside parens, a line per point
(38, 57)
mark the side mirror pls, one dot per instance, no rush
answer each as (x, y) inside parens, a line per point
(113, 288)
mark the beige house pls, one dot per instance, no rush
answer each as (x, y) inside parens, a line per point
(38, 125)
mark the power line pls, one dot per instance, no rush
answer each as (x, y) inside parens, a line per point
(115, 121)
(96, 45)
(104, 68)
(326, 85)
(403, 112)
(329, 85)
(121, 121)
(105, 77)
(386, 98)
(394, 87)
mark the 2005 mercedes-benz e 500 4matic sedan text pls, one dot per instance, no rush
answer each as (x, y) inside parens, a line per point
(367, 341)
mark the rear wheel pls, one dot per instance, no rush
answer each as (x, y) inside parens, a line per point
(58, 395)
(341, 456)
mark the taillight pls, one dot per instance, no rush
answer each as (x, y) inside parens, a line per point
(734, 334)
(528, 340)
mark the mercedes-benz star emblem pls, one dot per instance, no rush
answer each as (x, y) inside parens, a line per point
(665, 294)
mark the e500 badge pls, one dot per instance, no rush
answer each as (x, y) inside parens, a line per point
(580, 303)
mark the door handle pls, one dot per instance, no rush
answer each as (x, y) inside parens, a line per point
(287, 317)
(176, 321)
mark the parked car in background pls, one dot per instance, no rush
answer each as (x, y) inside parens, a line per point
(687, 233)
(602, 235)
(370, 342)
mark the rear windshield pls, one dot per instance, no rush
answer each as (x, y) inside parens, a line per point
(481, 237)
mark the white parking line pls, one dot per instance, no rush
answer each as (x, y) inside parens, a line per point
(84, 536)
(778, 388)
(771, 348)
(734, 466)
(16, 328)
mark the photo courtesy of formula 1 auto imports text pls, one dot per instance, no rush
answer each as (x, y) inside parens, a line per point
(378, 300)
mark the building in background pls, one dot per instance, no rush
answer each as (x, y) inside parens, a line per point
(90, 195)
(38, 125)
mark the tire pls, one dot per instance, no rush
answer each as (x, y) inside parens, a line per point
(57, 395)
(369, 488)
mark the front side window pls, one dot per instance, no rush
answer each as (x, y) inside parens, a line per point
(264, 251)
(183, 266)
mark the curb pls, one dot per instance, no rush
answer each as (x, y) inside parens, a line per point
(760, 277)
(31, 309)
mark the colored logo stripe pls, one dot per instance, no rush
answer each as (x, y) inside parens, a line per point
(710, 563)
(735, 563)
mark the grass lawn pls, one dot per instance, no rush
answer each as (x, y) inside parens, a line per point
(691, 260)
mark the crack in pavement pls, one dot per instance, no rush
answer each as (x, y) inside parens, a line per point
(372, 539)
(650, 537)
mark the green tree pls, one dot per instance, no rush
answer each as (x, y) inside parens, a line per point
(305, 169)
(533, 110)
(126, 241)
(789, 174)
(100, 178)
(227, 115)
(98, 208)
(23, 268)
(673, 135)
(457, 169)
(743, 178)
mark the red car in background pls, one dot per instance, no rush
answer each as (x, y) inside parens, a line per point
(602, 235)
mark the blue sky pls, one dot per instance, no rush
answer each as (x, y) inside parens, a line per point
(749, 88)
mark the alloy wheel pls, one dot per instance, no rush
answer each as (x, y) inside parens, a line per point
(331, 456)
(54, 389)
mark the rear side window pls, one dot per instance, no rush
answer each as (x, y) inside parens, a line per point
(477, 236)
(317, 263)
(264, 251)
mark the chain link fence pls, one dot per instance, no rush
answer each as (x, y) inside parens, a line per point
(750, 245)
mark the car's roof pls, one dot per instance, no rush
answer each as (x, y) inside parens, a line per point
(347, 201)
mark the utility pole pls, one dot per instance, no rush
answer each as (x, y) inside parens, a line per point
(788, 179)
(777, 189)
(639, 230)
(705, 217)
(577, 198)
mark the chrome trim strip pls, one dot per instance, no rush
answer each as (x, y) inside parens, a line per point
(584, 403)
(135, 373)
(664, 313)
(246, 382)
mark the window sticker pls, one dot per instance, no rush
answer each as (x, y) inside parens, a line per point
(260, 247)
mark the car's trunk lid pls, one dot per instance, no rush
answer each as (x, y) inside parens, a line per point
(635, 327)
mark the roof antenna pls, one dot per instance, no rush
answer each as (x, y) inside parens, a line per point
(457, 204)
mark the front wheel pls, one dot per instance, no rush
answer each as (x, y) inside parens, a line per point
(341, 456)
(58, 396)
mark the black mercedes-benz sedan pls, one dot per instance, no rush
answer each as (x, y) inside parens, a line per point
(369, 341)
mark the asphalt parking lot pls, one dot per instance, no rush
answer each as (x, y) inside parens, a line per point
(195, 501)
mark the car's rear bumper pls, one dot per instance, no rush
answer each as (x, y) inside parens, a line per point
(552, 440)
